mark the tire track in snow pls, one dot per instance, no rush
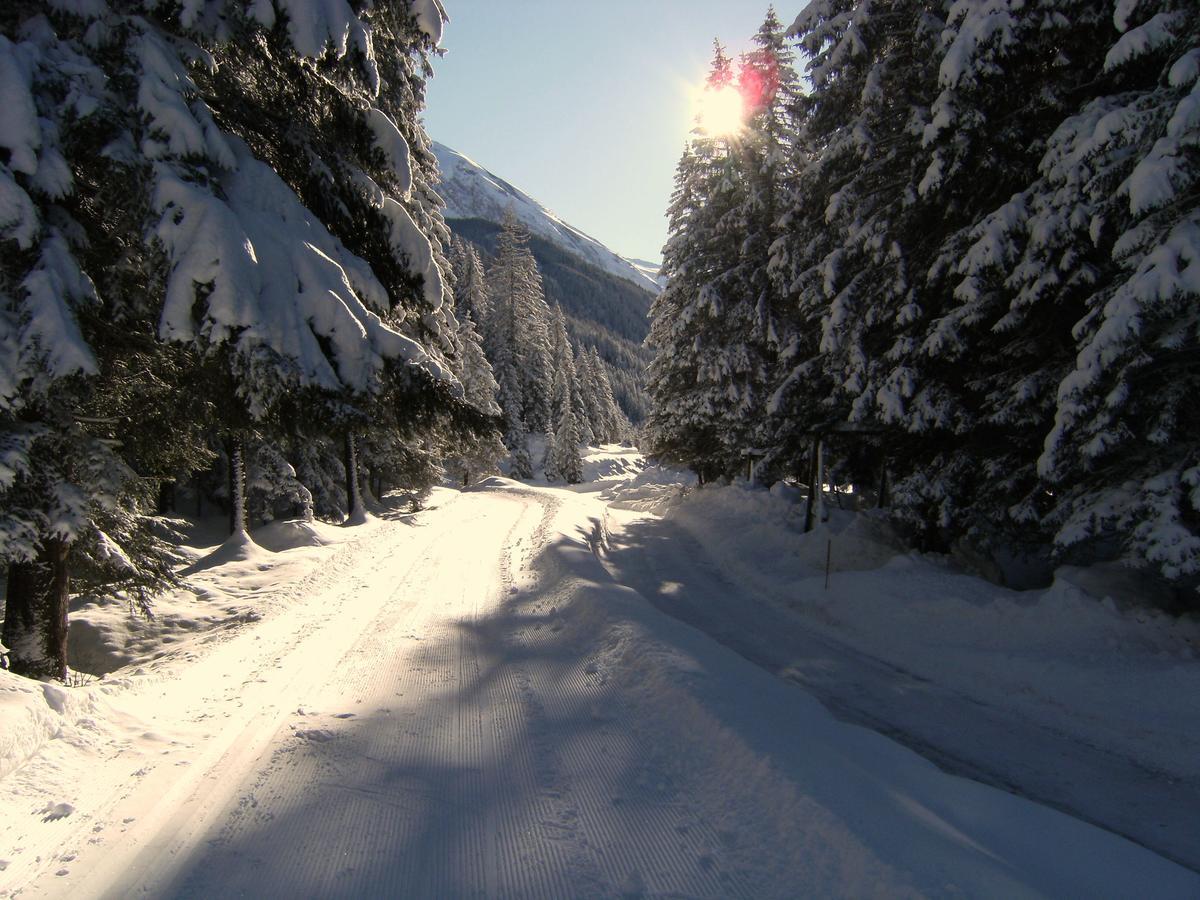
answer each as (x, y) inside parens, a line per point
(462, 745)
(187, 799)
(643, 835)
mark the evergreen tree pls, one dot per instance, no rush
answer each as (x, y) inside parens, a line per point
(1121, 193)
(518, 336)
(470, 293)
(762, 154)
(78, 360)
(475, 453)
(687, 383)
(566, 462)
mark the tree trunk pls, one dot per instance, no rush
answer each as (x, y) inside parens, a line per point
(35, 613)
(812, 513)
(885, 488)
(166, 497)
(354, 502)
(237, 485)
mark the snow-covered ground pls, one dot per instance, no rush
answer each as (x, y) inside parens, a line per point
(1081, 700)
(479, 700)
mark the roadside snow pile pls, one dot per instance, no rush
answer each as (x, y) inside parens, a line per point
(225, 586)
(32, 713)
(1075, 656)
(652, 490)
(228, 585)
(610, 461)
(800, 804)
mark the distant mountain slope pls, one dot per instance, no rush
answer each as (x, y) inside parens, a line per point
(651, 270)
(602, 310)
(472, 192)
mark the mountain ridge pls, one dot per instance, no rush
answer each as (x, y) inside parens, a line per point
(471, 191)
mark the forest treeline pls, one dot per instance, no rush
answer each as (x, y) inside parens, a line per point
(226, 284)
(961, 256)
(603, 311)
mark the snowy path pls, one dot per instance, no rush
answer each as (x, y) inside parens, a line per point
(470, 705)
(962, 734)
(439, 757)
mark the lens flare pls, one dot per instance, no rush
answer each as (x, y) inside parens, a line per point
(721, 111)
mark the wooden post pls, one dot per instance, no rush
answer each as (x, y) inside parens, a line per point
(820, 486)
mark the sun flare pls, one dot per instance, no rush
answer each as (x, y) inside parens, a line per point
(721, 112)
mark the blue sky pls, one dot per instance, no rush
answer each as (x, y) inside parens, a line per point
(583, 104)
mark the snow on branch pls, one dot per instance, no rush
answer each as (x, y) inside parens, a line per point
(271, 277)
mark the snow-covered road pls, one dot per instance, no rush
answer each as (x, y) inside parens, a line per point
(961, 732)
(469, 704)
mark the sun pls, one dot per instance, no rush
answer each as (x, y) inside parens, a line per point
(721, 112)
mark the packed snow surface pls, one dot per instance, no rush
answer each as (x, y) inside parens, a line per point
(472, 192)
(482, 699)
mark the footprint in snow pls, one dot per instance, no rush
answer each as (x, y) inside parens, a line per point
(319, 735)
(53, 811)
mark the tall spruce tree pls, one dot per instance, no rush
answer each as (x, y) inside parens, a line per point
(518, 340)
(762, 154)
(1121, 190)
(687, 381)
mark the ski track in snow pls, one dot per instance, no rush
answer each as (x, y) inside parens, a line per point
(962, 734)
(467, 704)
(450, 752)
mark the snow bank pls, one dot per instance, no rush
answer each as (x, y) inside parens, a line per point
(225, 589)
(611, 461)
(32, 713)
(652, 490)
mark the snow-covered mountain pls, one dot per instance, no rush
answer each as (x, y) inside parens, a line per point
(472, 192)
(651, 270)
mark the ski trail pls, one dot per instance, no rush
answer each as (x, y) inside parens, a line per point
(256, 677)
(959, 733)
(461, 746)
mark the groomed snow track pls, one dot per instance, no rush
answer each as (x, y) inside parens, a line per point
(467, 704)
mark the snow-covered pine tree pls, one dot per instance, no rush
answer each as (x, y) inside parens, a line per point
(579, 398)
(474, 453)
(687, 388)
(1121, 180)
(518, 334)
(851, 253)
(565, 460)
(79, 365)
(470, 292)
(762, 154)
(982, 369)
(509, 389)
(611, 425)
(562, 445)
(563, 355)
(307, 167)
